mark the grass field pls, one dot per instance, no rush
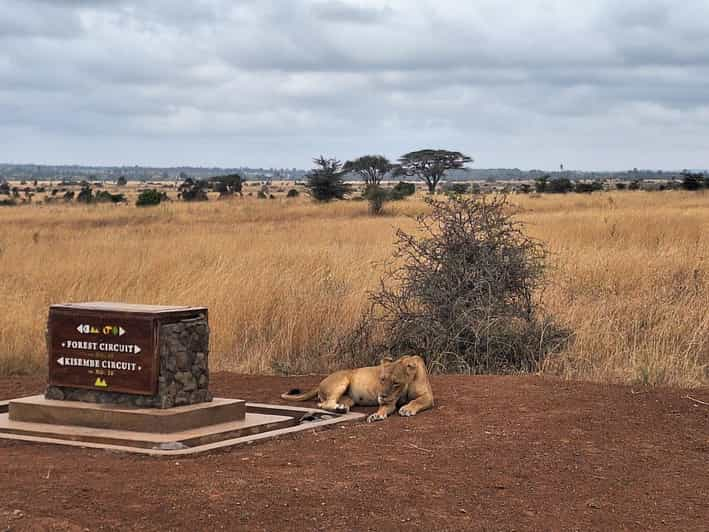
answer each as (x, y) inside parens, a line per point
(283, 279)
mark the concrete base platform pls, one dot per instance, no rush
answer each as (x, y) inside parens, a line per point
(260, 422)
(37, 409)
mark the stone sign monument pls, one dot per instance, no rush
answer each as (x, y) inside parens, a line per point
(144, 355)
(135, 378)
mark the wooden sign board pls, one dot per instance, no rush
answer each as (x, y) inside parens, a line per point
(108, 347)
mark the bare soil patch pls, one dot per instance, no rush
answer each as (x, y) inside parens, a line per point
(496, 453)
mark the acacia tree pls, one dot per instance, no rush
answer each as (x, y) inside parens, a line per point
(430, 165)
(371, 168)
(325, 182)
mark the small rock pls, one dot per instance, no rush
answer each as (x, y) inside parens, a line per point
(54, 393)
(190, 383)
(167, 401)
(593, 503)
(201, 396)
(197, 371)
(183, 361)
(181, 399)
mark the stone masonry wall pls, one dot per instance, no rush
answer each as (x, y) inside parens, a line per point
(184, 371)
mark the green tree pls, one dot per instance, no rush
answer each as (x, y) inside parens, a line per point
(403, 189)
(193, 190)
(85, 194)
(103, 196)
(541, 184)
(430, 165)
(371, 168)
(692, 181)
(560, 185)
(376, 196)
(150, 197)
(325, 182)
(456, 188)
(583, 188)
(227, 185)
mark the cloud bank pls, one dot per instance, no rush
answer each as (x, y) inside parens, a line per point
(593, 85)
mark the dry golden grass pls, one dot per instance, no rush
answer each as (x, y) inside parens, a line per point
(284, 279)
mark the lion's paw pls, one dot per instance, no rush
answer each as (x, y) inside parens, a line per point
(375, 417)
(406, 412)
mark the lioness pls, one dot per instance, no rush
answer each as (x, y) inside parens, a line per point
(403, 382)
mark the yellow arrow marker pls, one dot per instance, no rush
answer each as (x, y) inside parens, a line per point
(100, 383)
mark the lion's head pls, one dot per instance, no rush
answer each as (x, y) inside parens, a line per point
(395, 378)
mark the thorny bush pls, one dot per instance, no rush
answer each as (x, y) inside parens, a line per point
(462, 292)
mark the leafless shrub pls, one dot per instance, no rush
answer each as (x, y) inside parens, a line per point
(461, 291)
(363, 346)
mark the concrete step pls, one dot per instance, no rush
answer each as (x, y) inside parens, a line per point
(37, 409)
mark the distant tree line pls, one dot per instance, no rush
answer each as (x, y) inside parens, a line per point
(327, 181)
(562, 185)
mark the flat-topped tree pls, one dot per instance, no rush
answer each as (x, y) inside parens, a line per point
(430, 165)
(371, 168)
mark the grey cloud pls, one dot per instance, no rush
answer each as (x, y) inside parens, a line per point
(652, 15)
(341, 12)
(516, 84)
(27, 20)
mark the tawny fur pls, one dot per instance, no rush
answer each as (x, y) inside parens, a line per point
(402, 383)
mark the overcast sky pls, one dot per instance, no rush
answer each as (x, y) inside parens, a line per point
(529, 84)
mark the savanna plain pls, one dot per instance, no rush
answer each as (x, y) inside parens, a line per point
(284, 279)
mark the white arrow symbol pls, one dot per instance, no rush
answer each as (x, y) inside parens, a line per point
(80, 328)
(60, 361)
(121, 331)
(136, 350)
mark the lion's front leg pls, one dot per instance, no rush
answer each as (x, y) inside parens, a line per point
(384, 412)
(417, 405)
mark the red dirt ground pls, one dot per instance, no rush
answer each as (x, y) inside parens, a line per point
(496, 453)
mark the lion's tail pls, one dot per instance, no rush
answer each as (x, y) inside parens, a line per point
(297, 395)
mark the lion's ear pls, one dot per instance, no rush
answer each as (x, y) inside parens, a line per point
(386, 360)
(411, 367)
